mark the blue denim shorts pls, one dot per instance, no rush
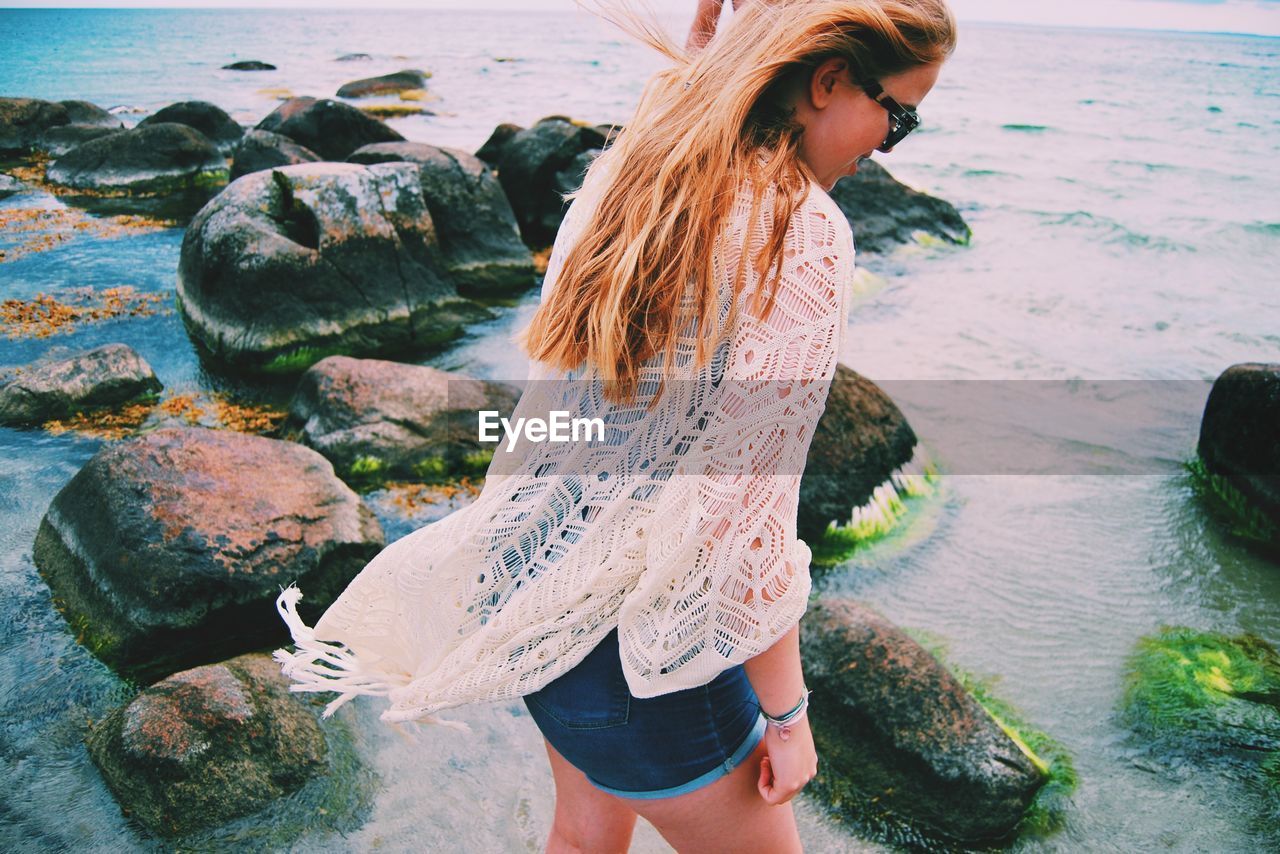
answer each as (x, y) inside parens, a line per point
(655, 747)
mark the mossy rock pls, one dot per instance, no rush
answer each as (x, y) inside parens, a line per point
(885, 513)
(193, 753)
(1243, 518)
(1194, 689)
(909, 754)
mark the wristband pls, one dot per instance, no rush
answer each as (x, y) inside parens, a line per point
(784, 721)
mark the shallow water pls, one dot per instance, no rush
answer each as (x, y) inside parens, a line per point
(1125, 207)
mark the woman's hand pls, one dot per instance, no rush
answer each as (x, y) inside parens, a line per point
(789, 765)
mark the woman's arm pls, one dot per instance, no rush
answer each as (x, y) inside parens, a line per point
(776, 675)
(778, 680)
(704, 24)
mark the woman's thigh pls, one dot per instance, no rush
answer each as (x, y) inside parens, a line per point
(727, 815)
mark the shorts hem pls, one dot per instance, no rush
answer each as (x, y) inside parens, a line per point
(743, 751)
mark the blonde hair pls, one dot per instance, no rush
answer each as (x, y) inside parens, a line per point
(640, 272)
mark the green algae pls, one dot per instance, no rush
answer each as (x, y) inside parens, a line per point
(1191, 688)
(883, 513)
(1246, 519)
(297, 360)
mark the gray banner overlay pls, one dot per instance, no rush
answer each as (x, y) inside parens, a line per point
(971, 427)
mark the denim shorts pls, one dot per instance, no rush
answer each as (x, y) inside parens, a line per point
(655, 747)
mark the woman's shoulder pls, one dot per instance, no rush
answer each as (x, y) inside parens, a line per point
(828, 219)
(816, 221)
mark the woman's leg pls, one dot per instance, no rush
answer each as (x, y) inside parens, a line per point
(586, 819)
(727, 815)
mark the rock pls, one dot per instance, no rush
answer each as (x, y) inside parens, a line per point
(353, 57)
(260, 149)
(23, 120)
(9, 186)
(207, 745)
(86, 113)
(569, 179)
(533, 164)
(210, 119)
(1205, 695)
(885, 212)
(167, 550)
(387, 84)
(329, 128)
(63, 383)
(491, 151)
(395, 420)
(473, 219)
(250, 65)
(897, 731)
(287, 266)
(57, 141)
(861, 439)
(157, 158)
(1240, 433)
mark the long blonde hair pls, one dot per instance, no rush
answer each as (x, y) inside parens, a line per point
(640, 273)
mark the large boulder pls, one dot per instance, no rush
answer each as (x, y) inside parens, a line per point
(155, 159)
(167, 550)
(394, 420)
(88, 113)
(330, 128)
(63, 383)
(210, 119)
(1240, 434)
(898, 732)
(23, 120)
(57, 141)
(289, 265)
(885, 213)
(474, 221)
(861, 440)
(535, 165)
(207, 745)
(387, 84)
(260, 149)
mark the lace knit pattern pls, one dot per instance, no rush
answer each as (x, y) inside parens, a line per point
(678, 528)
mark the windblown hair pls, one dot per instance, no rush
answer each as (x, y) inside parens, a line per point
(640, 273)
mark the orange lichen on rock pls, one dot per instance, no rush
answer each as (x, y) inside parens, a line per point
(49, 228)
(182, 406)
(540, 261)
(103, 423)
(247, 418)
(411, 497)
(47, 314)
(124, 421)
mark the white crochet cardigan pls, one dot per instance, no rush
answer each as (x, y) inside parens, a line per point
(679, 529)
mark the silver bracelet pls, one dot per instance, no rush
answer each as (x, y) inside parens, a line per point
(784, 721)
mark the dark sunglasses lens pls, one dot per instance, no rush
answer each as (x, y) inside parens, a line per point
(899, 131)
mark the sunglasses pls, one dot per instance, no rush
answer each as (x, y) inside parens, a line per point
(902, 121)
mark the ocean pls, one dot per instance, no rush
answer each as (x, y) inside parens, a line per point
(1124, 198)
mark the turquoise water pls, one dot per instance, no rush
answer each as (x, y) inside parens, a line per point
(1125, 205)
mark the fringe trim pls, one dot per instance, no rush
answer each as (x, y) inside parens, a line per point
(318, 665)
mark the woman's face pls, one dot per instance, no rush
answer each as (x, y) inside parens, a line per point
(842, 123)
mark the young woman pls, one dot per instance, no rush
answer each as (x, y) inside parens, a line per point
(642, 589)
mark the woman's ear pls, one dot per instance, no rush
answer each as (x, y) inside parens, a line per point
(822, 83)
